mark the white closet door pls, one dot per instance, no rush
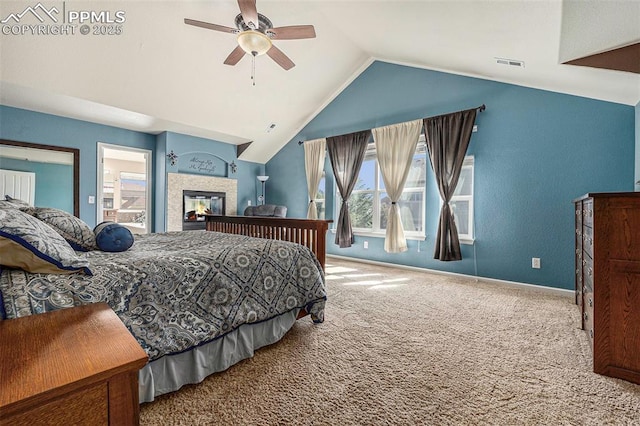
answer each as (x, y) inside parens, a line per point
(20, 185)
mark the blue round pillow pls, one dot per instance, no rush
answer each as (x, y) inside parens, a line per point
(111, 236)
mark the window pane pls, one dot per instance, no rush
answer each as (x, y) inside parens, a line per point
(366, 178)
(417, 177)
(132, 191)
(361, 209)
(321, 190)
(461, 214)
(465, 182)
(411, 204)
(321, 208)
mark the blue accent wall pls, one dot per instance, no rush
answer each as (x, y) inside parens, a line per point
(185, 146)
(29, 126)
(535, 151)
(50, 177)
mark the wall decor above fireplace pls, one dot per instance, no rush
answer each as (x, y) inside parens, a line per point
(201, 163)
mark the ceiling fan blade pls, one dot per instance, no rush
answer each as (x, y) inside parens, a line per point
(209, 26)
(235, 56)
(293, 32)
(249, 13)
(280, 58)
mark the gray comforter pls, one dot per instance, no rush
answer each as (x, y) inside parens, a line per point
(178, 290)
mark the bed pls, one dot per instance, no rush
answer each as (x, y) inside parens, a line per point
(196, 301)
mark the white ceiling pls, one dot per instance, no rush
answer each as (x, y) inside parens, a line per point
(161, 74)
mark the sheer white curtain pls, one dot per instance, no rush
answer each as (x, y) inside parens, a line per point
(395, 147)
(314, 165)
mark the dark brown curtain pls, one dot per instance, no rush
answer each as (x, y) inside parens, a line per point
(447, 140)
(346, 153)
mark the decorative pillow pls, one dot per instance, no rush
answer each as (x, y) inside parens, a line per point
(32, 245)
(74, 230)
(111, 236)
(4, 204)
(16, 202)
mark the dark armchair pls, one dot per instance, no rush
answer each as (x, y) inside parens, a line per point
(266, 210)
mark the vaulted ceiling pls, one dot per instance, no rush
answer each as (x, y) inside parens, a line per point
(162, 75)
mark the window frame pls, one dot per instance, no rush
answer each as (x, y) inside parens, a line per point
(375, 230)
(469, 162)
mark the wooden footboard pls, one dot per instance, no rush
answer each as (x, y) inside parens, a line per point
(309, 233)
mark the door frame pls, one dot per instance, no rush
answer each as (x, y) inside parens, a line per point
(148, 155)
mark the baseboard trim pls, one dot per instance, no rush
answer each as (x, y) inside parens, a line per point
(558, 291)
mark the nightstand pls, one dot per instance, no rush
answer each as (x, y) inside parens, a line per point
(71, 366)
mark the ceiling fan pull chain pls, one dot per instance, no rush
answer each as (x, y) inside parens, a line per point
(253, 68)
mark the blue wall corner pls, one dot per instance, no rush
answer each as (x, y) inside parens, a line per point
(246, 171)
(535, 151)
(29, 126)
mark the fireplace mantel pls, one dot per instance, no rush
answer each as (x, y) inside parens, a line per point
(178, 182)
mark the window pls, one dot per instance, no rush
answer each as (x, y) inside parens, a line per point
(369, 204)
(133, 191)
(462, 201)
(321, 197)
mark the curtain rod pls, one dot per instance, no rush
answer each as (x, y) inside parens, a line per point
(480, 109)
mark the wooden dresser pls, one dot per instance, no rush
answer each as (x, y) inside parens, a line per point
(607, 271)
(76, 366)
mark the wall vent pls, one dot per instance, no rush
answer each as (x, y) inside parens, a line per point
(511, 62)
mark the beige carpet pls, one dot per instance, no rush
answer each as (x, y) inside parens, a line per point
(410, 348)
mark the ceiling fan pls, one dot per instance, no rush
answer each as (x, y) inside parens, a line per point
(255, 32)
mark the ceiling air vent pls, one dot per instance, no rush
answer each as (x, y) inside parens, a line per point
(511, 62)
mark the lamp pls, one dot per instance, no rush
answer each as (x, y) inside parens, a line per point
(262, 179)
(254, 42)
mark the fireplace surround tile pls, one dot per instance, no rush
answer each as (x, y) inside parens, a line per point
(178, 182)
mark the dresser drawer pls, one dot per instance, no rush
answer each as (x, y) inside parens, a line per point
(587, 315)
(578, 277)
(87, 406)
(587, 240)
(587, 212)
(578, 215)
(587, 274)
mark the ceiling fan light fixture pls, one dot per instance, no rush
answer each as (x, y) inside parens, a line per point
(254, 42)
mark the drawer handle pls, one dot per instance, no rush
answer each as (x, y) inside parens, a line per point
(590, 302)
(590, 241)
(585, 316)
(584, 289)
(590, 271)
(577, 271)
(584, 262)
(590, 213)
(591, 333)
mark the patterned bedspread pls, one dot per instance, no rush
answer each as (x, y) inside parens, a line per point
(177, 290)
